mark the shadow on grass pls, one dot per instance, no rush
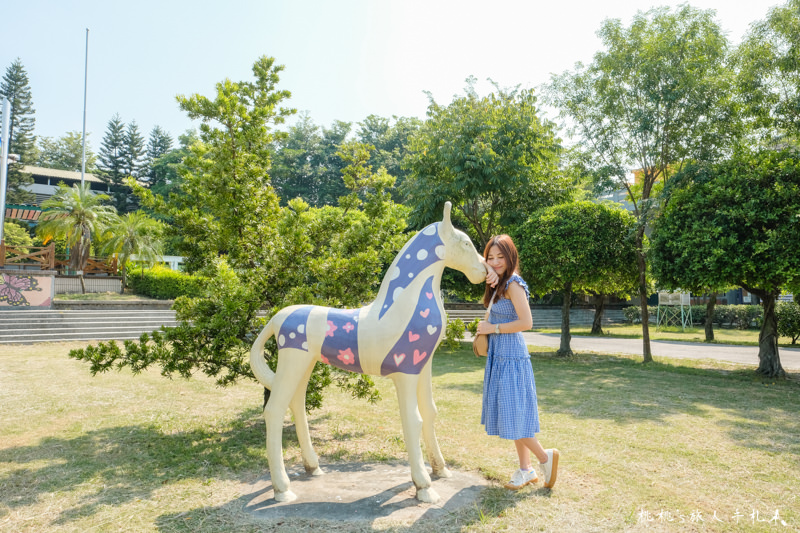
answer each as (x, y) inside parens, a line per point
(626, 391)
(119, 464)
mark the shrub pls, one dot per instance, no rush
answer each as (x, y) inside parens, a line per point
(633, 314)
(788, 320)
(454, 334)
(165, 284)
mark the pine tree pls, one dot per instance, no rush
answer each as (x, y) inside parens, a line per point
(21, 140)
(113, 169)
(134, 152)
(111, 152)
(159, 144)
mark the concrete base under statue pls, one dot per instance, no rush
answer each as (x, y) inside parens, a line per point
(361, 492)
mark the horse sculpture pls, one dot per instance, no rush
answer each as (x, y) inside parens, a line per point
(394, 336)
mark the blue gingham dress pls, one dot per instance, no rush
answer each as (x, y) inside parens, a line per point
(510, 409)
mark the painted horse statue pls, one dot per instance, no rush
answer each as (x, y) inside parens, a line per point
(394, 336)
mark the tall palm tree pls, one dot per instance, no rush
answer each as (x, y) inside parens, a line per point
(76, 215)
(135, 234)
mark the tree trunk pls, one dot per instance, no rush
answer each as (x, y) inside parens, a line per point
(769, 361)
(712, 301)
(565, 350)
(647, 355)
(599, 308)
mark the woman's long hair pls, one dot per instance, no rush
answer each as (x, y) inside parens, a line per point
(509, 251)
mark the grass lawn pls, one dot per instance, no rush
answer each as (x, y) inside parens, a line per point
(747, 337)
(668, 446)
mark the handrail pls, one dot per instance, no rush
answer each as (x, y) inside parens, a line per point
(43, 255)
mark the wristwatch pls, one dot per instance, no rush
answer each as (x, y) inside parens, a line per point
(497, 329)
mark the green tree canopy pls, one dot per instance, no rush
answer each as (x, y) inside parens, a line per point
(658, 95)
(134, 234)
(736, 222)
(492, 156)
(158, 145)
(768, 63)
(258, 255)
(78, 216)
(21, 139)
(66, 153)
(579, 247)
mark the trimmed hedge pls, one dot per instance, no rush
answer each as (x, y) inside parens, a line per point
(726, 316)
(165, 284)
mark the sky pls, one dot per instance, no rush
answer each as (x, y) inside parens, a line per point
(344, 59)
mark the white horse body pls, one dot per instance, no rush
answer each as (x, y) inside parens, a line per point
(395, 336)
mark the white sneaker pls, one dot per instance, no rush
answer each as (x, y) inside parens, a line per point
(521, 478)
(550, 468)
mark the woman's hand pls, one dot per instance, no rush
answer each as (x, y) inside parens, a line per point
(485, 327)
(491, 276)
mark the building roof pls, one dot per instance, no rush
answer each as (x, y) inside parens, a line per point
(61, 174)
(23, 212)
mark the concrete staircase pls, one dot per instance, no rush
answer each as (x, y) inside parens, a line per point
(128, 319)
(85, 321)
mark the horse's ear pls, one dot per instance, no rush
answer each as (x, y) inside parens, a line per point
(447, 225)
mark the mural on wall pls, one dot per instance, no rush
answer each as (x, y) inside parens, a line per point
(20, 290)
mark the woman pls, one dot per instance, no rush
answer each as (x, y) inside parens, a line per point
(510, 408)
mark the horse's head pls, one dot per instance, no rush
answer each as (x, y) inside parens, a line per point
(460, 253)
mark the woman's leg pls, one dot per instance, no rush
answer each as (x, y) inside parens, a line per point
(527, 445)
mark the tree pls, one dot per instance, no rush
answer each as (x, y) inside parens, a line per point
(297, 163)
(735, 223)
(657, 96)
(158, 145)
(768, 63)
(133, 151)
(134, 234)
(579, 247)
(390, 142)
(258, 255)
(493, 157)
(112, 161)
(21, 140)
(78, 216)
(66, 153)
(16, 236)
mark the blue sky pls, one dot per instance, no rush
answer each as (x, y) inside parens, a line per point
(344, 59)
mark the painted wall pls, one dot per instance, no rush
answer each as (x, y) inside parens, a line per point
(25, 289)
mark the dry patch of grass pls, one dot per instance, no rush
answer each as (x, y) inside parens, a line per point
(143, 453)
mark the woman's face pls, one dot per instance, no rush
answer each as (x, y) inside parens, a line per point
(496, 260)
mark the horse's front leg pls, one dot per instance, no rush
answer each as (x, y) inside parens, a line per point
(428, 410)
(406, 386)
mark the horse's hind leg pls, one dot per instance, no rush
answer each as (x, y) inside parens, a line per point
(406, 386)
(298, 407)
(428, 411)
(292, 366)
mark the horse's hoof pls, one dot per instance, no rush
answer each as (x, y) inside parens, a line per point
(315, 471)
(287, 496)
(427, 495)
(442, 473)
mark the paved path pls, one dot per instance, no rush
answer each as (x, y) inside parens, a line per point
(790, 357)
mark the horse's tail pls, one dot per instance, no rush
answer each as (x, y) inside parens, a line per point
(258, 364)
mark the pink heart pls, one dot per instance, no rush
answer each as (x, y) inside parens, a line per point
(429, 295)
(419, 356)
(412, 337)
(398, 358)
(424, 314)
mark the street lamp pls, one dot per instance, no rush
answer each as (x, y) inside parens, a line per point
(4, 168)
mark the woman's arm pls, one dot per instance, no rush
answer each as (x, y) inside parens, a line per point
(519, 298)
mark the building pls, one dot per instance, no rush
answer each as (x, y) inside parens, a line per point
(46, 180)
